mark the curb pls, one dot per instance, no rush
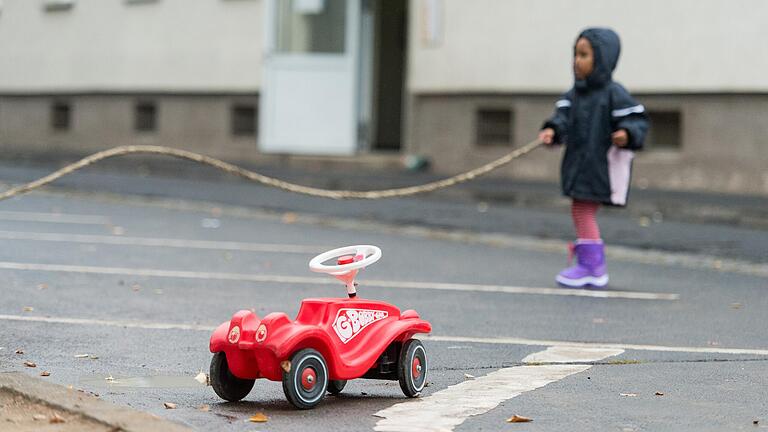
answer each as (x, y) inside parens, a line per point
(89, 407)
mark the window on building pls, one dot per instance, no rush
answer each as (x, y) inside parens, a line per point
(61, 116)
(243, 118)
(58, 5)
(145, 116)
(493, 126)
(665, 131)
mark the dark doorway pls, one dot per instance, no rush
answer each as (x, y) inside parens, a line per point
(390, 47)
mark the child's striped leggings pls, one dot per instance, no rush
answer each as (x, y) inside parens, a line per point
(584, 219)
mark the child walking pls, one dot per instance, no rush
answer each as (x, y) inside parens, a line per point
(601, 126)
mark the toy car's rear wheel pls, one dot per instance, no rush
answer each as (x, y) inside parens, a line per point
(226, 385)
(336, 386)
(307, 380)
(412, 368)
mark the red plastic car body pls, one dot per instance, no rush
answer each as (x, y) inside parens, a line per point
(322, 324)
(330, 341)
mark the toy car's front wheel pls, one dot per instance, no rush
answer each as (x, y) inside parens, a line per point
(412, 368)
(306, 381)
(226, 385)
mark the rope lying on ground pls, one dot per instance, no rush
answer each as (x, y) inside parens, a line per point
(269, 181)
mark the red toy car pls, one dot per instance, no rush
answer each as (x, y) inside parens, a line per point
(331, 341)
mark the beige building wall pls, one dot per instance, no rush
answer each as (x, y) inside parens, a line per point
(131, 45)
(685, 46)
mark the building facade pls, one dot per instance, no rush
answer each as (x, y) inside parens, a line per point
(456, 82)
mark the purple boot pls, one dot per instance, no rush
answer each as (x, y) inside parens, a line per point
(589, 268)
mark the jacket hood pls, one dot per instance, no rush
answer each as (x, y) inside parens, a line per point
(606, 46)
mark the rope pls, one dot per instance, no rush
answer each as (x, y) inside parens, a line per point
(269, 181)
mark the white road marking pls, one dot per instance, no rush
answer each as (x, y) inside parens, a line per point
(445, 409)
(327, 281)
(54, 218)
(601, 345)
(161, 242)
(452, 339)
(108, 323)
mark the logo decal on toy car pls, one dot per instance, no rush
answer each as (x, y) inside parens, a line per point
(350, 322)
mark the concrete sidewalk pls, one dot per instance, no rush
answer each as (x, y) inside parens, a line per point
(658, 220)
(690, 206)
(31, 404)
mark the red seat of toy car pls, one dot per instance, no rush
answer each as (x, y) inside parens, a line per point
(409, 314)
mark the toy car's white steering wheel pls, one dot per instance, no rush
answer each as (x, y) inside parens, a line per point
(370, 254)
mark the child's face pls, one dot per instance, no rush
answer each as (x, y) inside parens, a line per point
(583, 59)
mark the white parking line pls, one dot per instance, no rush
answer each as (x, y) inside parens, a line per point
(443, 410)
(451, 339)
(607, 294)
(161, 242)
(54, 218)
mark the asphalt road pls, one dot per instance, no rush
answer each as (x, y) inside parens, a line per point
(137, 284)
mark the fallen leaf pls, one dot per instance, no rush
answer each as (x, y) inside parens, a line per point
(136, 287)
(598, 320)
(659, 394)
(30, 364)
(216, 212)
(28, 309)
(38, 417)
(286, 365)
(169, 405)
(19, 351)
(45, 373)
(42, 286)
(628, 394)
(202, 378)
(289, 218)
(204, 408)
(81, 355)
(93, 357)
(55, 418)
(519, 419)
(259, 418)
(468, 376)
(118, 230)
(735, 305)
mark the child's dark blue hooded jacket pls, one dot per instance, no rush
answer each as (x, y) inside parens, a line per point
(585, 118)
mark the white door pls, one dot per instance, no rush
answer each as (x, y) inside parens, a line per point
(309, 94)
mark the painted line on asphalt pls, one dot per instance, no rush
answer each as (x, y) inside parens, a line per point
(601, 345)
(606, 294)
(451, 339)
(108, 323)
(161, 242)
(54, 218)
(445, 409)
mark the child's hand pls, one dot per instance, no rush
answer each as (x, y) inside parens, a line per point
(620, 138)
(547, 136)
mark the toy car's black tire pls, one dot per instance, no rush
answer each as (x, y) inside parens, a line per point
(336, 386)
(412, 368)
(306, 382)
(226, 385)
